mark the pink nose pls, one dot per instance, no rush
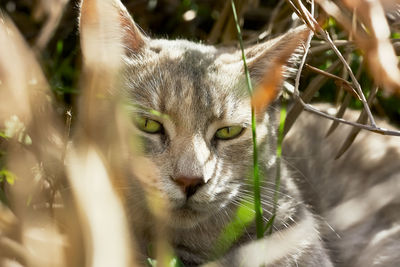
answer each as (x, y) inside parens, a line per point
(189, 185)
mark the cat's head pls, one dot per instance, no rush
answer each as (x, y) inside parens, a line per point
(192, 111)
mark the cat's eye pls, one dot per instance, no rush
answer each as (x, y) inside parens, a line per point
(148, 125)
(229, 132)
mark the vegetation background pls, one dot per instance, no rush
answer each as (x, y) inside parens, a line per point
(51, 29)
(188, 19)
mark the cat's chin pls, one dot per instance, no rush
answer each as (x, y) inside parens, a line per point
(185, 214)
(185, 217)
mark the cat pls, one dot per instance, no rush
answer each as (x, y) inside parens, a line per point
(357, 195)
(192, 115)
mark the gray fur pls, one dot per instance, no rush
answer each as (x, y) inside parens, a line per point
(356, 195)
(200, 89)
(193, 90)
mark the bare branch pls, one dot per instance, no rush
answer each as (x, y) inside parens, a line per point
(372, 38)
(326, 36)
(354, 132)
(339, 81)
(306, 96)
(323, 46)
(379, 130)
(347, 98)
(54, 10)
(307, 18)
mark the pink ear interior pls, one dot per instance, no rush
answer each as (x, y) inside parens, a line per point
(268, 63)
(133, 37)
(262, 57)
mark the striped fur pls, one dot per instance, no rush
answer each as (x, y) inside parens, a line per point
(193, 90)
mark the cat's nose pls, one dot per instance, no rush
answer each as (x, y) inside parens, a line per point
(189, 185)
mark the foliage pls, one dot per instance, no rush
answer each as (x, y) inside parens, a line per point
(200, 20)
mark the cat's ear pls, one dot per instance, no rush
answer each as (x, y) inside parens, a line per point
(108, 23)
(271, 62)
(283, 50)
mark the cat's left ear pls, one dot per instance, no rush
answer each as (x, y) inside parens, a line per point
(283, 50)
(271, 62)
(107, 24)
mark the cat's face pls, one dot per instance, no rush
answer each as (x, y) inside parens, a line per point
(190, 107)
(193, 114)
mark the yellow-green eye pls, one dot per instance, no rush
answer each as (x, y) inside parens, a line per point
(148, 125)
(229, 132)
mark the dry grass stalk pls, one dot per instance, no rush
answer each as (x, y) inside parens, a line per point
(354, 132)
(94, 205)
(53, 10)
(382, 60)
(25, 89)
(371, 35)
(306, 97)
(340, 82)
(309, 20)
(347, 98)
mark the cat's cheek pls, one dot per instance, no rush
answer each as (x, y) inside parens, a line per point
(152, 145)
(235, 152)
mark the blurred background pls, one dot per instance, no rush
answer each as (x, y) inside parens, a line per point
(51, 27)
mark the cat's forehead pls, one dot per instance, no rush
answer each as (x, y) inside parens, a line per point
(176, 48)
(187, 82)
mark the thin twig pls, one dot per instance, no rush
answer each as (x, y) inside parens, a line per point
(372, 36)
(303, 61)
(344, 84)
(219, 24)
(307, 17)
(67, 133)
(273, 16)
(310, 20)
(354, 132)
(336, 42)
(306, 96)
(375, 129)
(55, 10)
(324, 46)
(353, 78)
(347, 98)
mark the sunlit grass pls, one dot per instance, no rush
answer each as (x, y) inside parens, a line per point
(256, 170)
(243, 217)
(269, 226)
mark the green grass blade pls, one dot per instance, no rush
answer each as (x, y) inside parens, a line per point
(269, 227)
(235, 229)
(269, 224)
(256, 171)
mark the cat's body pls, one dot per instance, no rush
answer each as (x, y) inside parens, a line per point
(192, 113)
(358, 195)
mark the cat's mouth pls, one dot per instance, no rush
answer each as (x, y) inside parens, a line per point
(185, 216)
(195, 206)
(186, 212)
(189, 213)
(185, 209)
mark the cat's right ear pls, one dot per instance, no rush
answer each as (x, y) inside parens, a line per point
(106, 24)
